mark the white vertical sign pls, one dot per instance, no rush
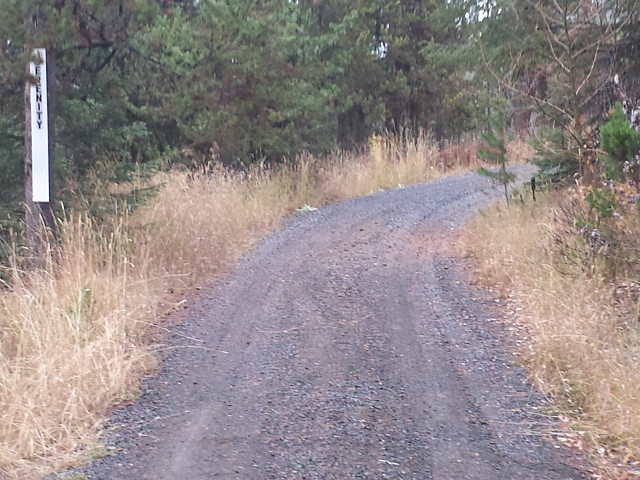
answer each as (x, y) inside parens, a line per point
(40, 129)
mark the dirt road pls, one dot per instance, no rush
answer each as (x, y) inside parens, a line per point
(346, 346)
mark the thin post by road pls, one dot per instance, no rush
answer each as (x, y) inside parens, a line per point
(39, 142)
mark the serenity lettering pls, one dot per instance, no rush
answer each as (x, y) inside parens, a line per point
(39, 110)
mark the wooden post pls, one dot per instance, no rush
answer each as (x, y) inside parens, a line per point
(533, 187)
(39, 211)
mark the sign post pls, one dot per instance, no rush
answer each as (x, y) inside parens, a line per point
(40, 221)
(40, 129)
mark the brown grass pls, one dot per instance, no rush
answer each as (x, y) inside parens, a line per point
(74, 334)
(70, 345)
(584, 343)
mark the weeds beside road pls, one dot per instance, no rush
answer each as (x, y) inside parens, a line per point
(577, 297)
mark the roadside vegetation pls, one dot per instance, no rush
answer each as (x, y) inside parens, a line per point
(577, 294)
(568, 264)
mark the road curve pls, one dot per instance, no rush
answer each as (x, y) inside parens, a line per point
(347, 345)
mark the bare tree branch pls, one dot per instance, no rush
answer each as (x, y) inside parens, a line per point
(512, 89)
(593, 64)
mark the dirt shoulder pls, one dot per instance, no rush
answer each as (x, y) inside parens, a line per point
(347, 345)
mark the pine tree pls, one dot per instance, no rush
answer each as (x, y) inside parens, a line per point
(496, 153)
(622, 146)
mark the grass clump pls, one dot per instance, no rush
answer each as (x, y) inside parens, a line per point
(71, 338)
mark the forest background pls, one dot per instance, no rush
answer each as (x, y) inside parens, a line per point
(146, 84)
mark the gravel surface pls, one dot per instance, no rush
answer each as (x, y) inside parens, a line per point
(348, 345)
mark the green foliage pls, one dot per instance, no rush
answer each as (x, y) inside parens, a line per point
(496, 153)
(11, 160)
(605, 246)
(144, 82)
(555, 60)
(554, 156)
(496, 150)
(602, 205)
(233, 79)
(622, 145)
(244, 82)
(98, 118)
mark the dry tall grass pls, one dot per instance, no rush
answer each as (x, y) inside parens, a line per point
(74, 334)
(584, 343)
(199, 223)
(70, 342)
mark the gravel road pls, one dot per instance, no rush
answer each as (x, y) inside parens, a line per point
(347, 345)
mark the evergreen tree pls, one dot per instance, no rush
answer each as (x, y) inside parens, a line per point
(621, 143)
(496, 153)
(95, 119)
(562, 62)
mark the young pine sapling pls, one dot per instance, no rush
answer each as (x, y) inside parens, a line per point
(496, 153)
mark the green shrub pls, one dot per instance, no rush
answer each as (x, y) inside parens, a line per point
(621, 143)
